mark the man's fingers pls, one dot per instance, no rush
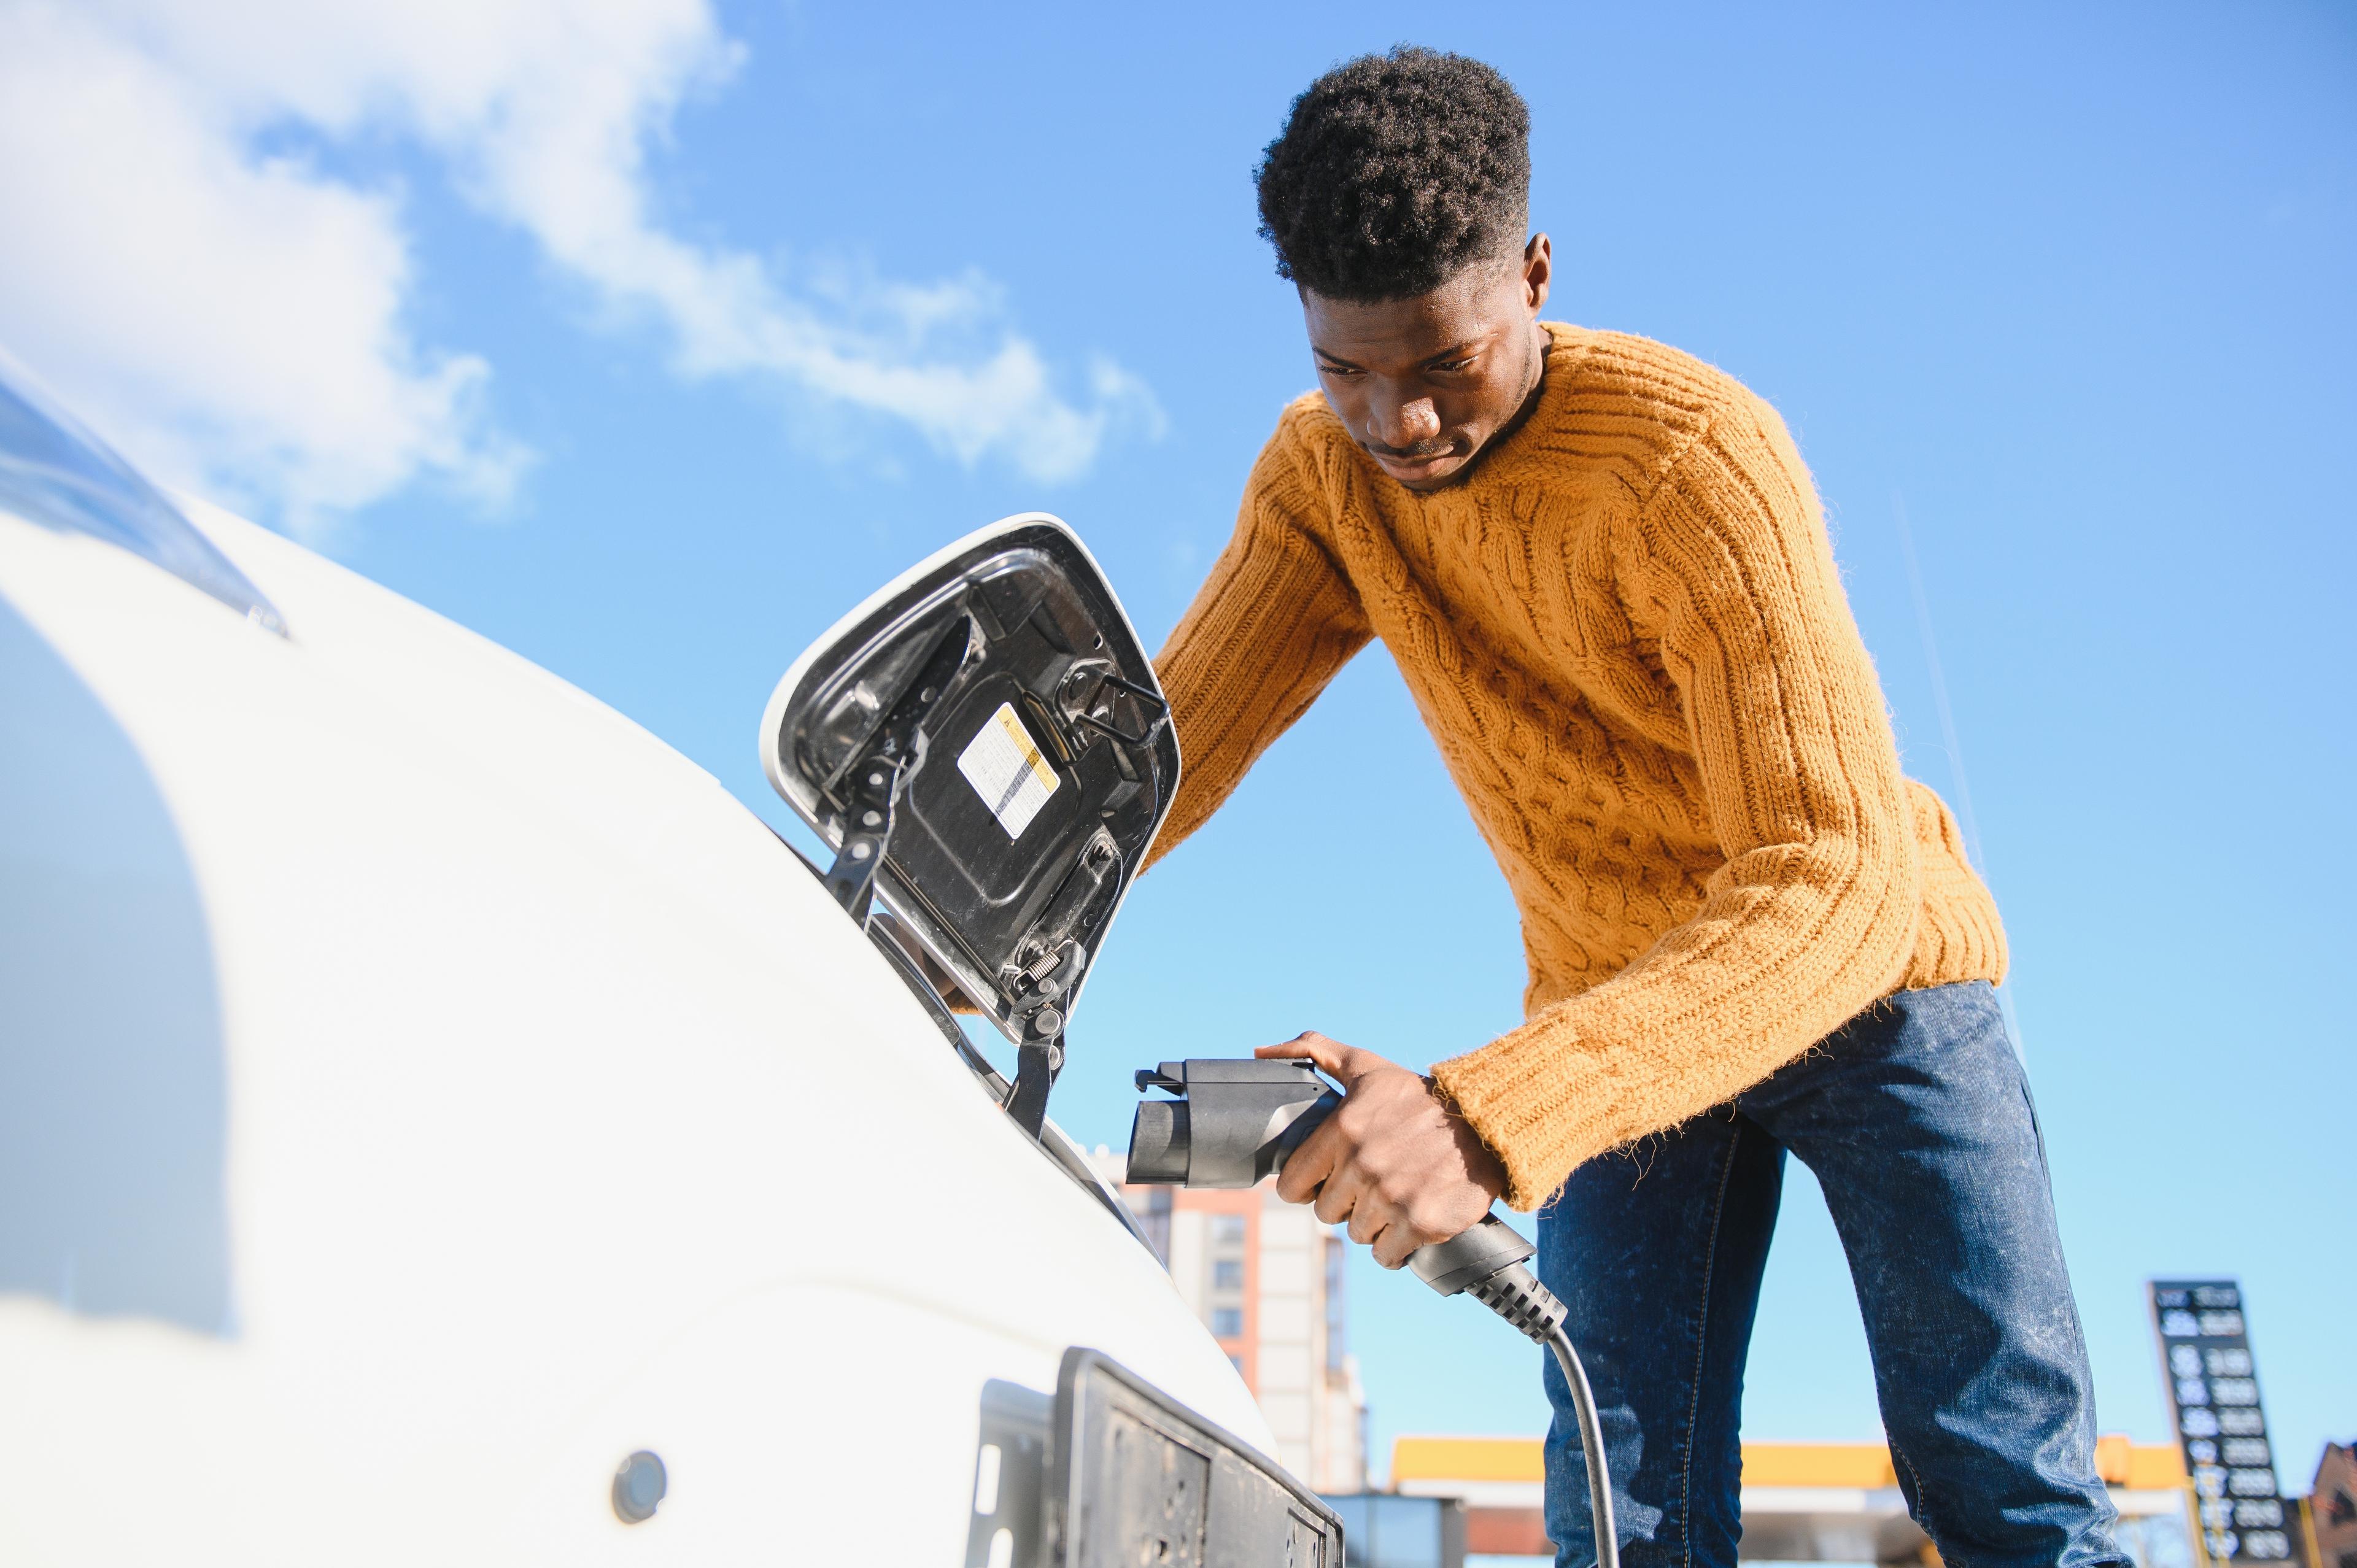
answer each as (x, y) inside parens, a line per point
(1345, 1064)
(1393, 1245)
(1327, 1054)
(1308, 1167)
(1344, 1190)
(1344, 1185)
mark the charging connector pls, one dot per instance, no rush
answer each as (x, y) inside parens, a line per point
(1233, 1123)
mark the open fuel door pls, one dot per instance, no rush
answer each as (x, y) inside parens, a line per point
(984, 746)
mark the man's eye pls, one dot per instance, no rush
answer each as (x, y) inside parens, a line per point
(1338, 370)
(1454, 364)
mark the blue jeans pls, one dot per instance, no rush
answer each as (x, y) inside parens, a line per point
(1917, 1121)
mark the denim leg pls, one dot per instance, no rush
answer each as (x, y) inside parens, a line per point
(1657, 1253)
(1916, 1119)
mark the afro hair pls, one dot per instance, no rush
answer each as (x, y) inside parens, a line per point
(1394, 173)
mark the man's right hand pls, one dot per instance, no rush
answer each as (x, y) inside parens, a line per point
(1393, 1161)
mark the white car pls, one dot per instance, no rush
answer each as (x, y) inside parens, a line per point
(439, 1125)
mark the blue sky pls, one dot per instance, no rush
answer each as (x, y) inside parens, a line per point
(2072, 285)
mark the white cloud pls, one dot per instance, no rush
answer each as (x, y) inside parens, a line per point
(233, 320)
(239, 318)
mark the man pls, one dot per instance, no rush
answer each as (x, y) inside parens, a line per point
(1601, 567)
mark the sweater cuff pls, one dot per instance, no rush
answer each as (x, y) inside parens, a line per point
(1539, 1099)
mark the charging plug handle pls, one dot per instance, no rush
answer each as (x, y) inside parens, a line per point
(1233, 1123)
(1471, 1256)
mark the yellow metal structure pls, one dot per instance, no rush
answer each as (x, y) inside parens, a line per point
(2146, 1467)
(1801, 1501)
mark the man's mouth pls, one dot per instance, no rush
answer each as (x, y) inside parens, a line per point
(1415, 463)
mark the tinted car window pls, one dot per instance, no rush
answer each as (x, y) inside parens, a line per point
(55, 473)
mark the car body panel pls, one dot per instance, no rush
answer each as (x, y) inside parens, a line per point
(555, 1109)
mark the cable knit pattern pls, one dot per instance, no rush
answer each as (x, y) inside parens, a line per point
(1626, 631)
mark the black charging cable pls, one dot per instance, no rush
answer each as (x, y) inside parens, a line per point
(1514, 1294)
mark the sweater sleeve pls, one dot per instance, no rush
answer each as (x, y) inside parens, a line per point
(1813, 914)
(1270, 627)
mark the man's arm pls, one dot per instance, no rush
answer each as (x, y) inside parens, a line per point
(1270, 627)
(1814, 915)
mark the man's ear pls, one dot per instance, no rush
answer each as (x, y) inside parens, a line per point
(1538, 273)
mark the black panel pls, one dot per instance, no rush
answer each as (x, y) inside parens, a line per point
(961, 837)
(1136, 1476)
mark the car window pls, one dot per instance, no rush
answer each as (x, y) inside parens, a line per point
(55, 473)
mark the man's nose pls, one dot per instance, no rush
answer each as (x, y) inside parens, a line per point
(1401, 423)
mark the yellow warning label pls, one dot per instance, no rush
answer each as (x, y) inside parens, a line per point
(1004, 764)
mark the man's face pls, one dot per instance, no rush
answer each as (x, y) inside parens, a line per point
(1425, 384)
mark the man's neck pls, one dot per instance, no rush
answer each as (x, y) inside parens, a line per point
(1541, 342)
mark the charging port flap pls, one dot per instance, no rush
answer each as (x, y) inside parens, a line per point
(984, 745)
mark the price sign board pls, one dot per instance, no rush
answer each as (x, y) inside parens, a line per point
(2213, 1393)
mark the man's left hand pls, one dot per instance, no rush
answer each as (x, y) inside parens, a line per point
(1392, 1160)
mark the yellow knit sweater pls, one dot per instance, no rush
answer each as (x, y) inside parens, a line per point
(1626, 631)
